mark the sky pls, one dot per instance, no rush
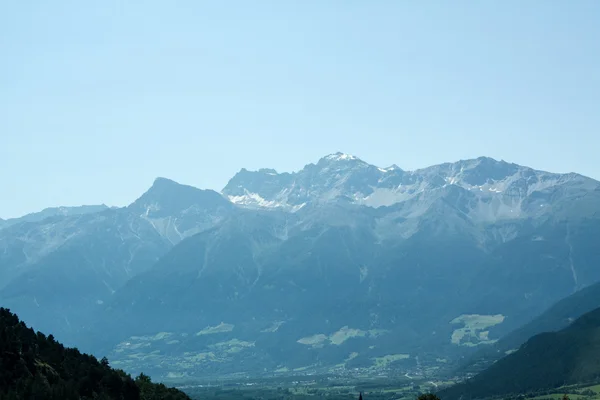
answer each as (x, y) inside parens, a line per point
(98, 98)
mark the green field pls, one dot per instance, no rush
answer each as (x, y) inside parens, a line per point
(474, 330)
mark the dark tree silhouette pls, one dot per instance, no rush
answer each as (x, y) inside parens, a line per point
(33, 366)
(428, 396)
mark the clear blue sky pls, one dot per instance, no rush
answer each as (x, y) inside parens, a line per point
(97, 98)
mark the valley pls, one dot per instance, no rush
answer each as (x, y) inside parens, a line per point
(334, 389)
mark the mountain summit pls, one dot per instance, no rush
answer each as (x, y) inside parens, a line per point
(177, 211)
(167, 198)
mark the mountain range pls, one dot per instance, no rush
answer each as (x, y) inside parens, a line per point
(340, 265)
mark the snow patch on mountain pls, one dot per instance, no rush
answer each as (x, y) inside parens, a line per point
(254, 200)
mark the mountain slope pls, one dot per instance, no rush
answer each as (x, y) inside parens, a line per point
(75, 264)
(272, 281)
(557, 317)
(33, 366)
(429, 295)
(86, 257)
(546, 361)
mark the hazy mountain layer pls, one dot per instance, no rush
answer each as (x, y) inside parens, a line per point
(339, 265)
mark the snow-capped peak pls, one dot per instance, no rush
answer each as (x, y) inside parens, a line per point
(340, 157)
(495, 189)
(392, 167)
(253, 199)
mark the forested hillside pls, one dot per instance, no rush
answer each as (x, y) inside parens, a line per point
(35, 366)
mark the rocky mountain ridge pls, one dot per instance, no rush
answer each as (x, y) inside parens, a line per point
(496, 190)
(53, 212)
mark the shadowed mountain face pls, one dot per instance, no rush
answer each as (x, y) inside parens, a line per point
(546, 361)
(557, 317)
(340, 264)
